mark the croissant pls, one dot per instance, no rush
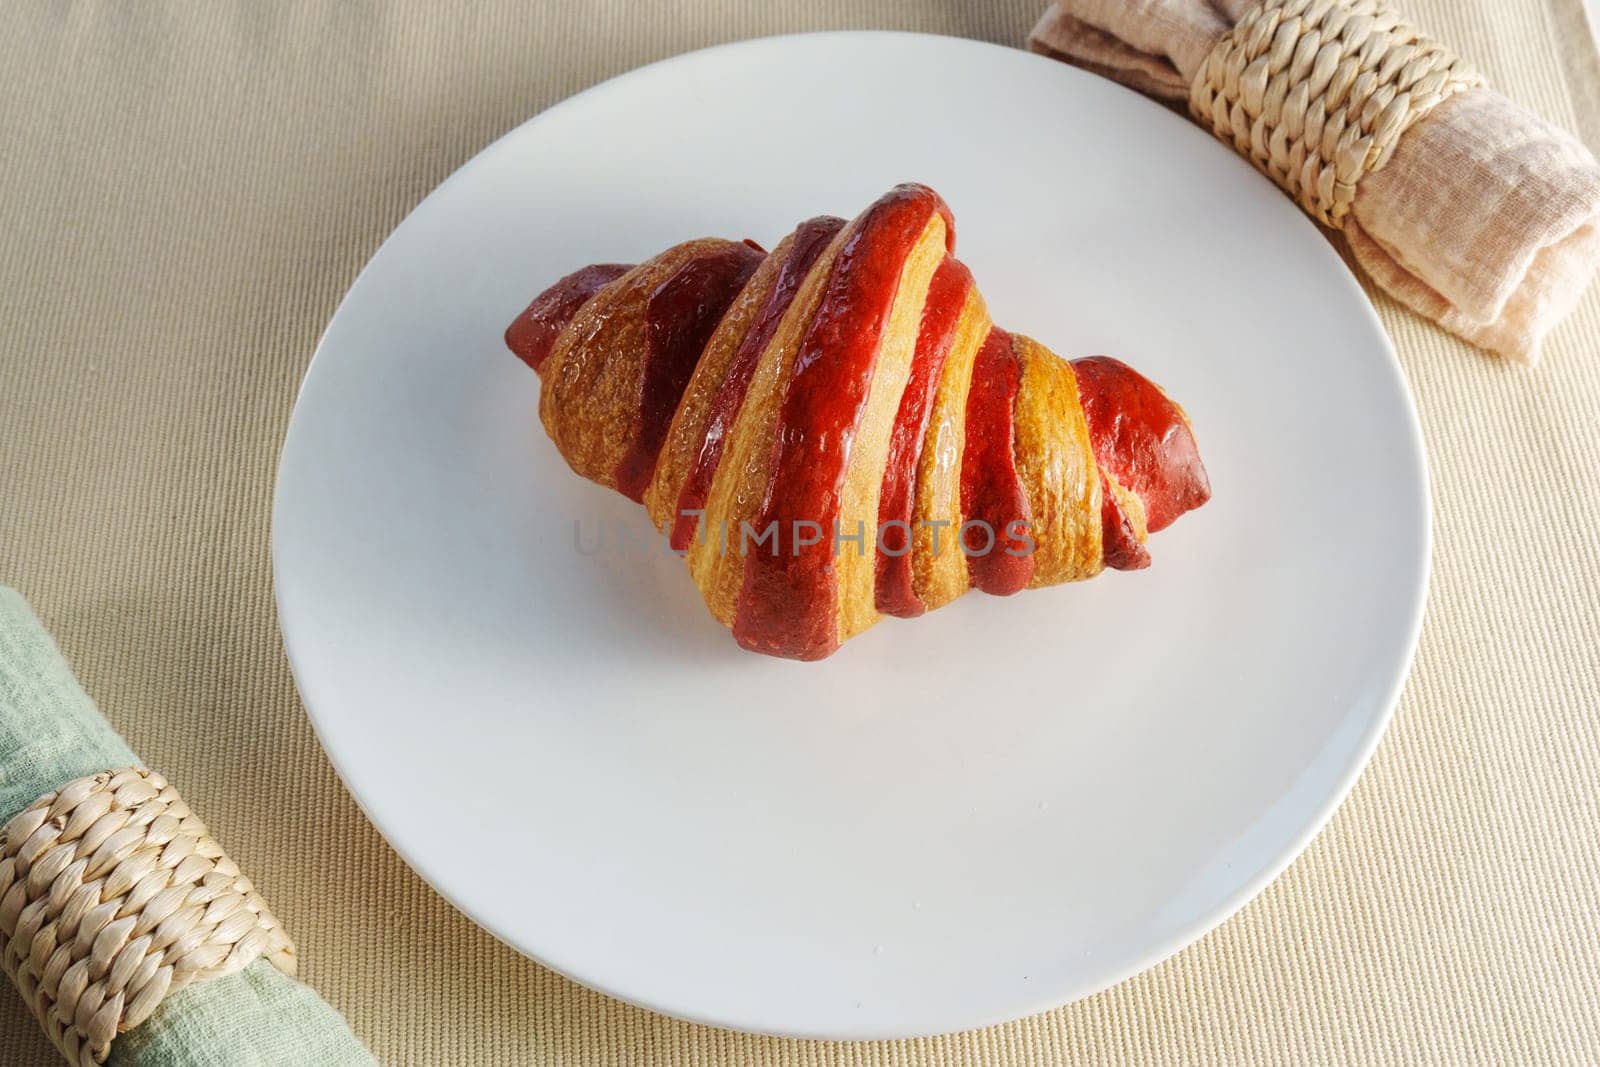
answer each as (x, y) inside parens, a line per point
(835, 431)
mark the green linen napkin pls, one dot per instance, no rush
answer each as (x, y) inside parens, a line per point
(50, 734)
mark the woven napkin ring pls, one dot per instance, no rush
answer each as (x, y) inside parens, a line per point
(1316, 93)
(113, 896)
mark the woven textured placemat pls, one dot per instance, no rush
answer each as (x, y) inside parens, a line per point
(187, 190)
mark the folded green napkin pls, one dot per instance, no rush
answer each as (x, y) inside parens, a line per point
(50, 734)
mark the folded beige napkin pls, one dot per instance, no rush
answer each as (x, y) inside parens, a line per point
(1483, 217)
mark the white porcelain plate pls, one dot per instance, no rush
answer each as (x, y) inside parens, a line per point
(956, 820)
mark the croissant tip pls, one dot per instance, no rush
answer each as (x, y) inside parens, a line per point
(532, 334)
(1143, 439)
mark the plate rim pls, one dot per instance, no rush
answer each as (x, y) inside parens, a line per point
(1248, 891)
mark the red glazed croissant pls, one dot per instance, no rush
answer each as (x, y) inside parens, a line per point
(835, 431)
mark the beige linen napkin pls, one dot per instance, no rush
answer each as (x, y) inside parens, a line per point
(1486, 218)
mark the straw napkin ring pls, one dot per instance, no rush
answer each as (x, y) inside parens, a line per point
(113, 896)
(1316, 93)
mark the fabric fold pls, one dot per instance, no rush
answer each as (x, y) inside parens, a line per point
(51, 733)
(1485, 219)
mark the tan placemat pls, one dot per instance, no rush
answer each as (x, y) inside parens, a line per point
(185, 193)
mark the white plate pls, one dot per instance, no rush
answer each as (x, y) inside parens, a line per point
(942, 826)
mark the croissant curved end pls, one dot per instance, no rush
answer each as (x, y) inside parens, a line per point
(770, 408)
(1143, 441)
(533, 333)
